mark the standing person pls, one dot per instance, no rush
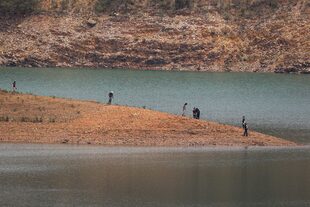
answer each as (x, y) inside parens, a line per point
(246, 128)
(184, 109)
(243, 121)
(111, 95)
(194, 113)
(14, 85)
(197, 113)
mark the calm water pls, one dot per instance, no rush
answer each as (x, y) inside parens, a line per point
(61, 175)
(273, 103)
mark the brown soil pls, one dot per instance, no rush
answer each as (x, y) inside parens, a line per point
(36, 119)
(211, 35)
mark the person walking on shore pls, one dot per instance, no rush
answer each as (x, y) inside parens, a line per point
(246, 128)
(111, 95)
(184, 109)
(14, 86)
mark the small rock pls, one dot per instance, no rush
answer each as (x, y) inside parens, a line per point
(65, 141)
(91, 23)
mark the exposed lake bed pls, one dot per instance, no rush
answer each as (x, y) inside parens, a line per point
(39, 119)
(276, 104)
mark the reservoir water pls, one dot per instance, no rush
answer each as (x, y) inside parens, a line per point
(68, 175)
(63, 175)
(277, 104)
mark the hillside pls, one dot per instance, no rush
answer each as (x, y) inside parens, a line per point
(196, 35)
(35, 119)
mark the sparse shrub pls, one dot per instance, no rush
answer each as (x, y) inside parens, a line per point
(102, 5)
(273, 3)
(13, 7)
(226, 31)
(182, 4)
(4, 119)
(24, 119)
(64, 5)
(34, 120)
(54, 4)
(52, 120)
(163, 5)
(38, 120)
(226, 16)
(113, 5)
(259, 3)
(41, 108)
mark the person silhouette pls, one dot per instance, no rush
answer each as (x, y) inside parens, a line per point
(111, 96)
(243, 121)
(197, 113)
(246, 128)
(14, 85)
(194, 113)
(184, 109)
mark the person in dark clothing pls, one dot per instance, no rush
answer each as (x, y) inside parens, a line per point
(197, 113)
(184, 109)
(243, 121)
(111, 95)
(14, 85)
(246, 128)
(194, 113)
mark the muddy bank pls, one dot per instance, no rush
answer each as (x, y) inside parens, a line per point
(35, 119)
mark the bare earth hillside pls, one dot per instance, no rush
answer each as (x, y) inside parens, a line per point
(205, 35)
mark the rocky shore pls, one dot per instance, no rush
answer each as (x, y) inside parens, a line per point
(28, 118)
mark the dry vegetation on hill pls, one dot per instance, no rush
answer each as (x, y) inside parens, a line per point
(205, 35)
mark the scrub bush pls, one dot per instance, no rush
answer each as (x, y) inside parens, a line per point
(17, 7)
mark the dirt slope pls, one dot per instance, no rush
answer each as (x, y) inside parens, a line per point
(206, 35)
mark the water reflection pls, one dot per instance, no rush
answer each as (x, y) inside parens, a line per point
(43, 175)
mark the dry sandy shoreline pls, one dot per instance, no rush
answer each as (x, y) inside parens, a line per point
(28, 118)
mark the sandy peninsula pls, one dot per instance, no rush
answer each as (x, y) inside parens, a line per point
(28, 118)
